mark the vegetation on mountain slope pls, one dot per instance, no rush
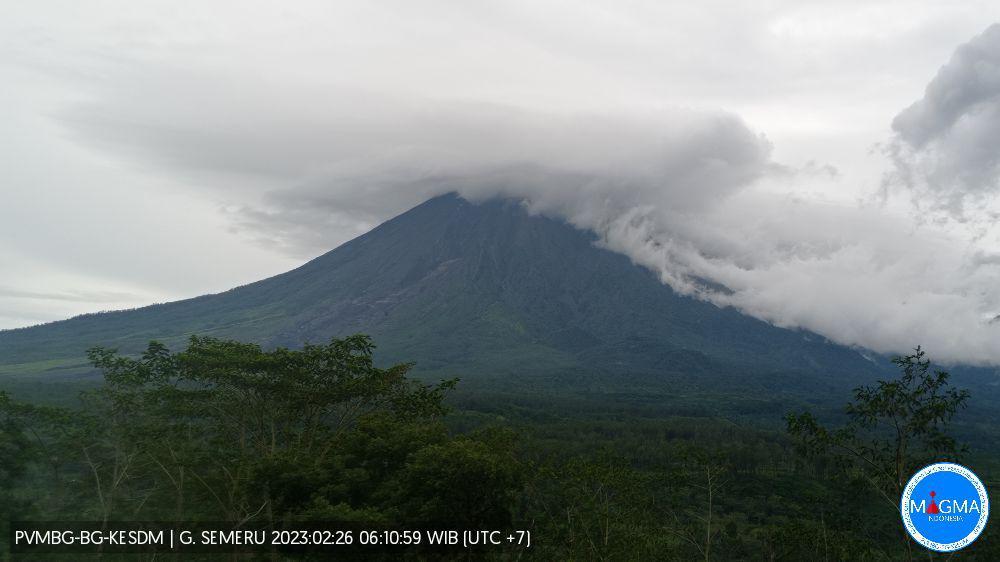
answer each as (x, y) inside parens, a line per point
(228, 431)
(483, 289)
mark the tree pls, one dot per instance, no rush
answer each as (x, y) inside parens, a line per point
(706, 477)
(468, 482)
(15, 454)
(242, 428)
(894, 427)
(595, 507)
(229, 431)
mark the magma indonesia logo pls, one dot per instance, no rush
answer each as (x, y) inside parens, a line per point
(945, 507)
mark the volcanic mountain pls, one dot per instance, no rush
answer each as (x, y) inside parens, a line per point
(477, 289)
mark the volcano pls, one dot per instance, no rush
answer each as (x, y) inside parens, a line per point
(481, 289)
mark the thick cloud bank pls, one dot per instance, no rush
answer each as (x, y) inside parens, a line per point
(695, 196)
(947, 142)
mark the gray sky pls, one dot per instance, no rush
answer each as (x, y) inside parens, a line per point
(834, 164)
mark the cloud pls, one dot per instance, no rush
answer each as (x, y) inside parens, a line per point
(72, 296)
(311, 164)
(945, 147)
(853, 274)
(696, 196)
(19, 307)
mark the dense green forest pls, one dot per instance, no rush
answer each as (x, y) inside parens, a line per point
(229, 432)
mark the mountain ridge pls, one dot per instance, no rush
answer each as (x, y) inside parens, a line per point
(456, 285)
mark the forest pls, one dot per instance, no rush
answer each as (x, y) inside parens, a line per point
(229, 432)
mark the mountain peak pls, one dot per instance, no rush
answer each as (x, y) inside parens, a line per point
(460, 286)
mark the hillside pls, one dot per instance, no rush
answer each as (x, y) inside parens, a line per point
(455, 286)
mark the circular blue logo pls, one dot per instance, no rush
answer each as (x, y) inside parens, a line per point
(945, 507)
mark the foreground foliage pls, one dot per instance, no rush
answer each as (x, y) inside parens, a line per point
(227, 431)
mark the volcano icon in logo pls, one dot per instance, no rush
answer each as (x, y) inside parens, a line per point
(945, 507)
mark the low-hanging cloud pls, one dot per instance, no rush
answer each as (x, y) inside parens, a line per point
(945, 148)
(695, 196)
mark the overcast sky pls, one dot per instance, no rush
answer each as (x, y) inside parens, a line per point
(834, 165)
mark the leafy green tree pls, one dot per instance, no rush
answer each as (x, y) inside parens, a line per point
(15, 453)
(229, 431)
(468, 482)
(238, 426)
(597, 508)
(894, 427)
(37, 445)
(705, 477)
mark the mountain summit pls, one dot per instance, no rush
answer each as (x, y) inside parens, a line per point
(461, 287)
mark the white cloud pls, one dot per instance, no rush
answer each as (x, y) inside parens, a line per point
(946, 143)
(309, 124)
(693, 195)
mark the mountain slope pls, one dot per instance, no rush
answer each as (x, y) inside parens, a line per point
(454, 286)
